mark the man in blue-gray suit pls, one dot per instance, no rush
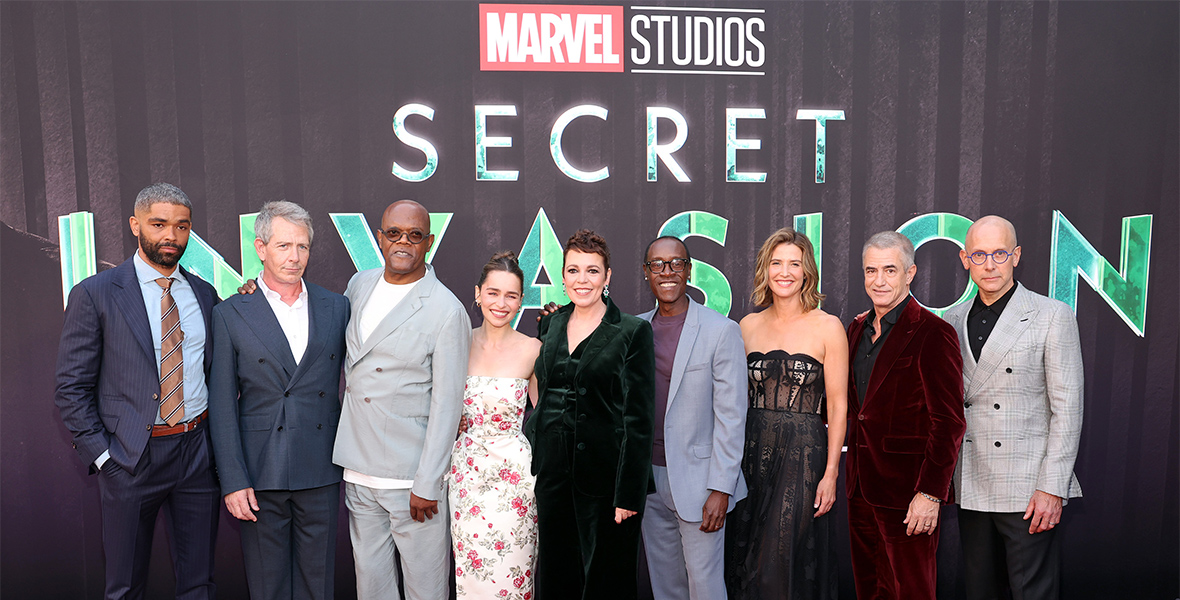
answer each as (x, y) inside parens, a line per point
(274, 406)
(699, 435)
(131, 375)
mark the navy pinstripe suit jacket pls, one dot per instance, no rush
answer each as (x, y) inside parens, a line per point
(107, 379)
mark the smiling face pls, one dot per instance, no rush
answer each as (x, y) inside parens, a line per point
(668, 287)
(584, 276)
(887, 280)
(163, 231)
(405, 262)
(784, 273)
(994, 279)
(285, 256)
(499, 298)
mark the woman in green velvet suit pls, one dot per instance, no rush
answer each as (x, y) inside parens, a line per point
(591, 434)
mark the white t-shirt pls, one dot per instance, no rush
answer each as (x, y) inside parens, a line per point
(384, 298)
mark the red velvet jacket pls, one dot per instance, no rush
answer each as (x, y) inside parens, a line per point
(906, 436)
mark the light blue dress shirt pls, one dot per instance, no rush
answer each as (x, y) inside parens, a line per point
(192, 323)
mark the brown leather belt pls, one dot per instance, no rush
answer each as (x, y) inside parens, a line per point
(163, 430)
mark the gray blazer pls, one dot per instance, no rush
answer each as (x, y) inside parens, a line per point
(705, 420)
(273, 421)
(404, 391)
(1023, 405)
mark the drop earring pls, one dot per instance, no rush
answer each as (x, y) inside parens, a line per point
(606, 291)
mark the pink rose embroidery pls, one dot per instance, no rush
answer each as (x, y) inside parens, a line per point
(475, 510)
(518, 582)
(498, 545)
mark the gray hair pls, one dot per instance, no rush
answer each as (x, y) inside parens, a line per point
(161, 192)
(891, 240)
(280, 209)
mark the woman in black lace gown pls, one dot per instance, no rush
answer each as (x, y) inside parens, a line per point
(779, 540)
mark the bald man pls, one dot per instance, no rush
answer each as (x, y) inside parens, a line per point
(1022, 372)
(406, 365)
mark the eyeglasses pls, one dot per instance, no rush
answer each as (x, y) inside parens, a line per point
(1000, 256)
(657, 266)
(394, 235)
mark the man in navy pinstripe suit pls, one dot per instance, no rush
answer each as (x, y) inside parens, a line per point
(109, 389)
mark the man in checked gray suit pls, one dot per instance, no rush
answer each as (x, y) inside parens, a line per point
(406, 364)
(700, 432)
(1022, 371)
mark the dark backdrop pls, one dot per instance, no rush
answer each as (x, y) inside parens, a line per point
(1015, 108)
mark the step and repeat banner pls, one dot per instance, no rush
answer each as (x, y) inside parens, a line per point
(517, 124)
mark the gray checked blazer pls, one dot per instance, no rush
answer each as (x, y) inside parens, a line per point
(404, 392)
(705, 419)
(1023, 404)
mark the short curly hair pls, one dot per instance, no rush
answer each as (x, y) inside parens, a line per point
(809, 296)
(587, 242)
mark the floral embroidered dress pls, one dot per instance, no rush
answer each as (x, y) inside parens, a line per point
(494, 514)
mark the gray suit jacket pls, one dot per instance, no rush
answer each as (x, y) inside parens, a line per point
(404, 391)
(1023, 405)
(273, 421)
(705, 420)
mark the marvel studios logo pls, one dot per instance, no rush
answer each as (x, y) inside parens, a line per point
(657, 39)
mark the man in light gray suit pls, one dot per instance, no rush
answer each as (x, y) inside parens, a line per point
(406, 365)
(274, 402)
(1022, 372)
(699, 435)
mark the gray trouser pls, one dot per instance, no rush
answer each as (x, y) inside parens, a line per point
(379, 522)
(684, 562)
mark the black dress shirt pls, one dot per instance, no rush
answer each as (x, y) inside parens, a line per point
(867, 350)
(981, 320)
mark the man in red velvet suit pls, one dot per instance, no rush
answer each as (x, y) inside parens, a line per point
(905, 398)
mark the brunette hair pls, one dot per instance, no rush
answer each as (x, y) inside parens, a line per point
(809, 296)
(588, 242)
(502, 261)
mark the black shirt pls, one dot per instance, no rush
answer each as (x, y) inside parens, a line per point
(867, 350)
(981, 320)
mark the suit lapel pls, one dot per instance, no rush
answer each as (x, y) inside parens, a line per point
(1017, 316)
(129, 298)
(556, 327)
(364, 290)
(317, 320)
(600, 337)
(688, 336)
(260, 318)
(855, 331)
(398, 315)
(205, 300)
(959, 322)
(899, 337)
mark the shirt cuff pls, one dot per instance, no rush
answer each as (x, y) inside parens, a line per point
(102, 459)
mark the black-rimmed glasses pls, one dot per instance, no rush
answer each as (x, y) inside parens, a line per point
(657, 266)
(394, 235)
(1000, 256)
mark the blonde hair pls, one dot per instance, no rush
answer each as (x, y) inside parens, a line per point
(809, 296)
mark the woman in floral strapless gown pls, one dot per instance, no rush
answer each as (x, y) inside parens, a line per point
(493, 509)
(780, 539)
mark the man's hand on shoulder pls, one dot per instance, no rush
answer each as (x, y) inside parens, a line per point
(421, 508)
(249, 287)
(240, 504)
(547, 310)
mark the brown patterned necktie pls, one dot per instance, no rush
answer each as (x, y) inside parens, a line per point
(172, 357)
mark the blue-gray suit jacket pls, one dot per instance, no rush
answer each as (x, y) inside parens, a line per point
(273, 420)
(705, 419)
(108, 381)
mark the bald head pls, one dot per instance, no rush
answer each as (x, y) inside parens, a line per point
(408, 209)
(992, 224)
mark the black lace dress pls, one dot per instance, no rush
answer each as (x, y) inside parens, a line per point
(775, 548)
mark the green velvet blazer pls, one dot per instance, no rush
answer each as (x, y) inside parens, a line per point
(615, 384)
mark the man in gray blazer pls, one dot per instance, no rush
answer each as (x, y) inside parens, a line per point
(406, 366)
(700, 431)
(1022, 372)
(274, 405)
